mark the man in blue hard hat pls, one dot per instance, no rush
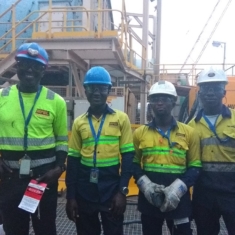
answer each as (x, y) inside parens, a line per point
(33, 143)
(95, 185)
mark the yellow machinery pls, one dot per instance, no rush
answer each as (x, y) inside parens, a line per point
(190, 105)
(229, 98)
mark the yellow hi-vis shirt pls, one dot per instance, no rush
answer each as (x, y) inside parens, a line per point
(156, 154)
(218, 159)
(217, 155)
(115, 138)
(47, 127)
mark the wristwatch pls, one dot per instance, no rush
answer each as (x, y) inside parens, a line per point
(124, 190)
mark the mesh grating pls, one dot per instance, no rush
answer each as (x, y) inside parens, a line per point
(132, 225)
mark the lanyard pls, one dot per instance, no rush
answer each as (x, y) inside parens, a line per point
(27, 120)
(213, 129)
(166, 135)
(96, 136)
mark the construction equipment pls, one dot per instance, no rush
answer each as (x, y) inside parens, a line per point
(190, 106)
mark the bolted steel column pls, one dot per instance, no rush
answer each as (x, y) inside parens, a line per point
(158, 40)
(143, 95)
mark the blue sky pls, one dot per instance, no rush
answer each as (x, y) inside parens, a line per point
(182, 22)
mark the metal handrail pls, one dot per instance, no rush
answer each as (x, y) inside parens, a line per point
(9, 9)
(11, 36)
(189, 70)
(11, 30)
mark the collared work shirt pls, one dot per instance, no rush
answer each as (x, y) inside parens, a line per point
(157, 156)
(218, 157)
(47, 129)
(165, 160)
(115, 139)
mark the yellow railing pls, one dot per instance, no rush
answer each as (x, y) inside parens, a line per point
(170, 72)
(13, 13)
(74, 28)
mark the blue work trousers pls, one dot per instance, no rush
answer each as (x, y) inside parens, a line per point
(93, 215)
(152, 225)
(208, 219)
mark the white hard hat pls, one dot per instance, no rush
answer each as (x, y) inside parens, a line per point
(212, 75)
(163, 87)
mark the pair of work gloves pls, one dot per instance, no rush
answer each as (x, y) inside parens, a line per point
(165, 198)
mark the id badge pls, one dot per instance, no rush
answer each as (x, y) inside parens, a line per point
(25, 165)
(94, 175)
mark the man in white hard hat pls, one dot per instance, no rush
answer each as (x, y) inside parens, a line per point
(214, 192)
(167, 163)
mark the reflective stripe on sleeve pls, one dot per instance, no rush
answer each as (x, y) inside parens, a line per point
(61, 138)
(73, 153)
(127, 148)
(61, 148)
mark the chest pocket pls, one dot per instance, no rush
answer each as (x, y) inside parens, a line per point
(44, 120)
(84, 135)
(229, 134)
(110, 141)
(146, 143)
(181, 144)
(230, 145)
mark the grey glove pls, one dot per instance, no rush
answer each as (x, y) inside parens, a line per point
(173, 194)
(152, 192)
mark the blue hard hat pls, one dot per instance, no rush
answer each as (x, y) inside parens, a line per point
(97, 75)
(32, 51)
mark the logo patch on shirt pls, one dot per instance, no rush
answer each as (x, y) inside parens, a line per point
(115, 124)
(180, 134)
(232, 126)
(43, 112)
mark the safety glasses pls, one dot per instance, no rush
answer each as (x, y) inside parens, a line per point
(212, 87)
(99, 88)
(25, 65)
(162, 99)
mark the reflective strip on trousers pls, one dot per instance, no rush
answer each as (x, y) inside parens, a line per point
(218, 167)
(34, 163)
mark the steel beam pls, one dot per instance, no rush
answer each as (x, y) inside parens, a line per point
(8, 62)
(65, 55)
(76, 44)
(77, 81)
(103, 62)
(81, 64)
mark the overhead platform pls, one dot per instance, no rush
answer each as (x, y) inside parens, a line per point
(88, 52)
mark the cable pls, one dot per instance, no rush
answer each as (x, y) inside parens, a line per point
(216, 25)
(199, 36)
